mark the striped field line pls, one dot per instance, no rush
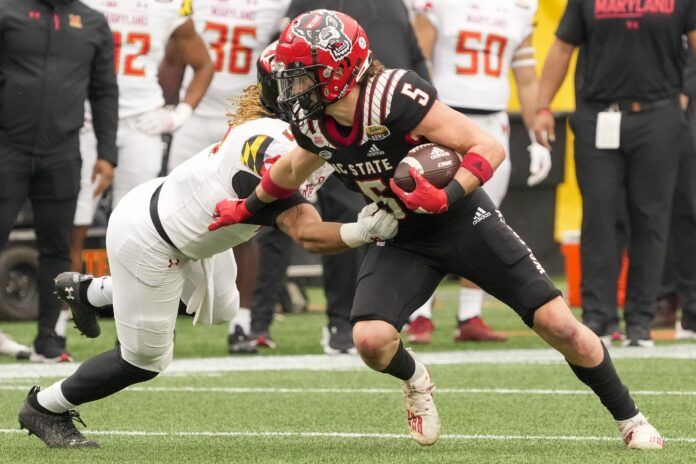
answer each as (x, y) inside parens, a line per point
(351, 435)
(369, 391)
(349, 363)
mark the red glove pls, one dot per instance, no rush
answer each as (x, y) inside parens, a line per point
(425, 198)
(229, 212)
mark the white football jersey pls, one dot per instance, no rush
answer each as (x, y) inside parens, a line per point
(191, 191)
(235, 34)
(140, 29)
(476, 41)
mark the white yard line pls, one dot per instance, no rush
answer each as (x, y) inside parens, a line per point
(387, 436)
(366, 391)
(347, 363)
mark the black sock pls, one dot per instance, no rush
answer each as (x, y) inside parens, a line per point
(101, 376)
(604, 381)
(402, 365)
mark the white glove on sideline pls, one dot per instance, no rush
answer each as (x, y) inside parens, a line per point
(373, 224)
(164, 120)
(539, 163)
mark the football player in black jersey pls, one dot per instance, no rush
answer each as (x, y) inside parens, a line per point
(349, 111)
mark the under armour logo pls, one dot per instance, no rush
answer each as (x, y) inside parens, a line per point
(69, 293)
(173, 262)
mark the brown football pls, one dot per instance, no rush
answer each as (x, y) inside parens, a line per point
(435, 162)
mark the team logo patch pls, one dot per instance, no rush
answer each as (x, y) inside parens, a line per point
(377, 132)
(323, 29)
(75, 21)
(254, 152)
(325, 154)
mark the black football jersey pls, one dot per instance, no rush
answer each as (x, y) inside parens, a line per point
(390, 106)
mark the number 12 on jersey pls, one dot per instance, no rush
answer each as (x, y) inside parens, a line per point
(473, 45)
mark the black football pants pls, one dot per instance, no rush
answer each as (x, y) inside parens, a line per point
(51, 182)
(680, 267)
(645, 168)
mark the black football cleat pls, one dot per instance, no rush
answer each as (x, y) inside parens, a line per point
(338, 340)
(239, 342)
(56, 430)
(71, 288)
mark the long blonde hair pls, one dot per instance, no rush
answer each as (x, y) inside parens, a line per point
(248, 107)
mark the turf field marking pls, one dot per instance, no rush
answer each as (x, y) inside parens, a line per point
(368, 391)
(388, 436)
(349, 363)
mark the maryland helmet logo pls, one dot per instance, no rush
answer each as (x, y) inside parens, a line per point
(323, 29)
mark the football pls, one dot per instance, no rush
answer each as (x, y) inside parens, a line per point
(436, 163)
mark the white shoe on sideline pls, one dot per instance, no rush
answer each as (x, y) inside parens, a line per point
(10, 347)
(680, 333)
(423, 419)
(637, 433)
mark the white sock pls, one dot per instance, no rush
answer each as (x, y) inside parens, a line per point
(243, 320)
(62, 322)
(100, 292)
(470, 303)
(420, 373)
(52, 399)
(425, 311)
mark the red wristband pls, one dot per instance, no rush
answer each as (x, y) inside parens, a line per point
(274, 189)
(478, 166)
(544, 110)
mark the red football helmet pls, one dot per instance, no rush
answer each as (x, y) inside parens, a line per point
(320, 56)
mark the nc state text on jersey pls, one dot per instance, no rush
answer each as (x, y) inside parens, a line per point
(375, 166)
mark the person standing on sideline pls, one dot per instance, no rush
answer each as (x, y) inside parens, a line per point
(235, 38)
(56, 54)
(472, 47)
(629, 128)
(387, 25)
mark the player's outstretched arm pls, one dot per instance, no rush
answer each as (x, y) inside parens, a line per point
(303, 224)
(447, 127)
(287, 174)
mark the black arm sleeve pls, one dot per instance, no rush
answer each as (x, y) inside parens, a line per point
(412, 99)
(103, 96)
(572, 26)
(244, 184)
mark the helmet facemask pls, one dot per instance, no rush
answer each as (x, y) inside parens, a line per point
(300, 92)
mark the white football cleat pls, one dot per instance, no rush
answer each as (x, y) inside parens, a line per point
(637, 433)
(423, 419)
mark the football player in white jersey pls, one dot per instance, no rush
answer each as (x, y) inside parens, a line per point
(471, 46)
(141, 29)
(163, 247)
(235, 36)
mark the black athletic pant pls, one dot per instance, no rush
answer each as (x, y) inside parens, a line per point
(645, 168)
(51, 182)
(680, 266)
(337, 204)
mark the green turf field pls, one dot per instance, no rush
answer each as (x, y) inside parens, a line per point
(512, 412)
